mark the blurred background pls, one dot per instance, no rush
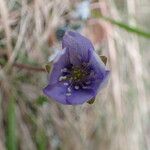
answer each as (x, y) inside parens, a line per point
(30, 36)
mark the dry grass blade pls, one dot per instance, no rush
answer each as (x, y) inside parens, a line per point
(5, 20)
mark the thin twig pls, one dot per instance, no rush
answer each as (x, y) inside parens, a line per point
(28, 67)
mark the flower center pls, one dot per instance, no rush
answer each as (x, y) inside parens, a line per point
(78, 74)
(74, 74)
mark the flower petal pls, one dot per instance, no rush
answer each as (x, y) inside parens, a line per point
(98, 84)
(105, 80)
(97, 64)
(61, 61)
(80, 96)
(57, 92)
(101, 75)
(78, 46)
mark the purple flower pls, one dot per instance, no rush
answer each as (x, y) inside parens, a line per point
(77, 73)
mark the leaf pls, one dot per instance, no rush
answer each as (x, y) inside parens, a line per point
(104, 59)
(41, 100)
(41, 140)
(91, 101)
(11, 140)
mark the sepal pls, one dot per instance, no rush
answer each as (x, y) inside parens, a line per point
(48, 67)
(91, 101)
(104, 59)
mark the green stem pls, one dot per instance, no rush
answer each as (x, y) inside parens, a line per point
(127, 27)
